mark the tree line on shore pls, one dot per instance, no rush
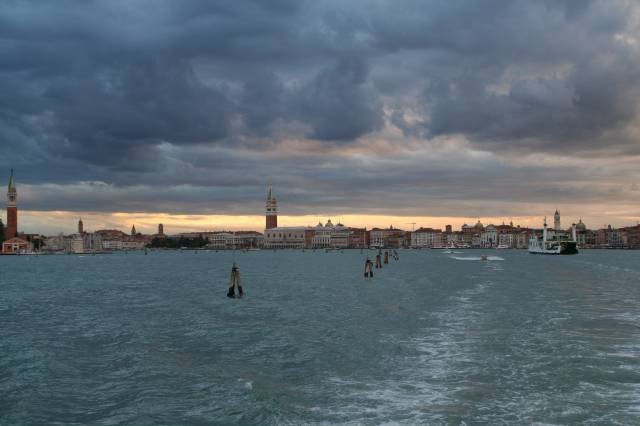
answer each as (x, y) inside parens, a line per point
(176, 243)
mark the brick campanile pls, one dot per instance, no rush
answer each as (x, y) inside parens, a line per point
(12, 210)
(271, 211)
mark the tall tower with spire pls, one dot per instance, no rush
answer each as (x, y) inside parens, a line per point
(271, 210)
(11, 229)
(133, 230)
(556, 221)
(80, 227)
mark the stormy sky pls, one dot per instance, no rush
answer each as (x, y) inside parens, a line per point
(419, 108)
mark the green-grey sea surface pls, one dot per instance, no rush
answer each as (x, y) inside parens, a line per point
(434, 338)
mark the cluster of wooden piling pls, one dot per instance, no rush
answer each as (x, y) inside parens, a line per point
(369, 265)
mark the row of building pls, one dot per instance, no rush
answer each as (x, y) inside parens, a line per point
(320, 236)
(98, 241)
(469, 236)
(332, 236)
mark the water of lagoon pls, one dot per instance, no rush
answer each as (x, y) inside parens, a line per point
(132, 339)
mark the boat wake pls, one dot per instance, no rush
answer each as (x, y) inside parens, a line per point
(485, 258)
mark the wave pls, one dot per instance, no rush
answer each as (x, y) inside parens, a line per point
(491, 258)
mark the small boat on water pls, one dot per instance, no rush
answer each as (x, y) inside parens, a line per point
(502, 247)
(558, 243)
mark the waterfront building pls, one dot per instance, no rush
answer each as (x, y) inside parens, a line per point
(225, 240)
(379, 237)
(507, 236)
(632, 236)
(426, 238)
(271, 210)
(610, 237)
(330, 235)
(134, 243)
(248, 239)
(358, 238)
(617, 238)
(15, 245)
(340, 236)
(322, 235)
(77, 244)
(92, 242)
(471, 234)
(522, 238)
(219, 240)
(601, 236)
(112, 244)
(113, 239)
(453, 238)
(587, 238)
(489, 237)
(54, 244)
(584, 237)
(288, 237)
(389, 238)
(507, 240)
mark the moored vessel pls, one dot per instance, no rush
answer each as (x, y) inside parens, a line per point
(557, 243)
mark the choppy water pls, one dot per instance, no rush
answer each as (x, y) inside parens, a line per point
(133, 339)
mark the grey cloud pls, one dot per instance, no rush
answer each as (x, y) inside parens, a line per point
(130, 92)
(337, 105)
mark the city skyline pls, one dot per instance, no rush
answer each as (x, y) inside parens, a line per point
(384, 114)
(58, 221)
(336, 235)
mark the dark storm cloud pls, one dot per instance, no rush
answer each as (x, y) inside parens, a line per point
(125, 92)
(565, 78)
(337, 105)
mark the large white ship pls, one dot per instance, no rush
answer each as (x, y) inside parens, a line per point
(558, 243)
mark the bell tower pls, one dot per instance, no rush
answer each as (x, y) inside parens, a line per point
(271, 210)
(12, 209)
(556, 221)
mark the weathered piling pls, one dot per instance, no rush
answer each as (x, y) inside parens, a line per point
(368, 268)
(234, 282)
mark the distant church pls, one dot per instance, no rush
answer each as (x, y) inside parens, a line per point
(12, 243)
